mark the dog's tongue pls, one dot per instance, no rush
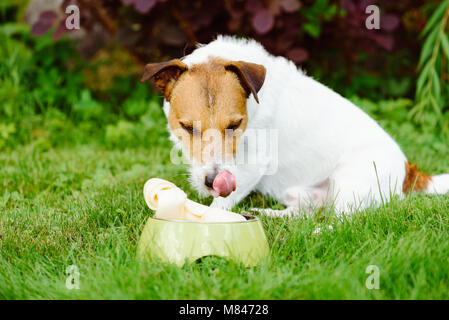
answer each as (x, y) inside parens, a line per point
(224, 184)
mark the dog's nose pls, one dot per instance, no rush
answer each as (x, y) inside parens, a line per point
(209, 180)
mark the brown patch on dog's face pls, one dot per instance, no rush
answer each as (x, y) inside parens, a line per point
(208, 103)
(415, 180)
(207, 96)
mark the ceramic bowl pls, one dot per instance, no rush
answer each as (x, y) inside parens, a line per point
(181, 242)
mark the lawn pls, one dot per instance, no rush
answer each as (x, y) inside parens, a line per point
(72, 168)
(81, 204)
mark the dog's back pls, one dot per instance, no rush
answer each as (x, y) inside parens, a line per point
(327, 146)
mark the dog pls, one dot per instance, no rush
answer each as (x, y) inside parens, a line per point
(329, 152)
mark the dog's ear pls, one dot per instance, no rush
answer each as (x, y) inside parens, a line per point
(251, 75)
(165, 74)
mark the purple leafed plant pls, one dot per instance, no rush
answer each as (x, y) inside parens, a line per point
(305, 31)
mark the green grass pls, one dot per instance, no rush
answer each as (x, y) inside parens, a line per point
(71, 194)
(83, 205)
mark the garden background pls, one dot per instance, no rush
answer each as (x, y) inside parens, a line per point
(79, 135)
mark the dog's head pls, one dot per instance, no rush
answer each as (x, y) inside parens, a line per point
(208, 113)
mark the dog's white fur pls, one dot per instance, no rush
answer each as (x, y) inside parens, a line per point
(329, 151)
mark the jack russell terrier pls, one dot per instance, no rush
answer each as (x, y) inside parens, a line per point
(329, 152)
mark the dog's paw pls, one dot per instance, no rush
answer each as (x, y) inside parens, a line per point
(318, 231)
(289, 212)
(222, 203)
(255, 211)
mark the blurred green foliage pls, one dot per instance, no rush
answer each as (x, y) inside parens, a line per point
(318, 13)
(45, 100)
(432, 90)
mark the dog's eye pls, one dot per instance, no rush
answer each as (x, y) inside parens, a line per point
(187, 127)
(234, 126)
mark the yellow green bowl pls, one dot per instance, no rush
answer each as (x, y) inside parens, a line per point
(180, 242)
